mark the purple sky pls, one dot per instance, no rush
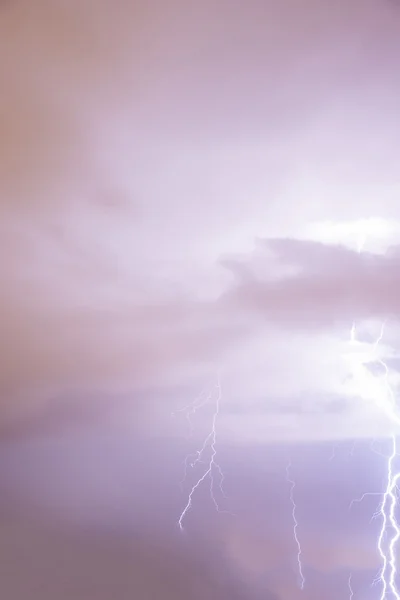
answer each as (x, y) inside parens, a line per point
(193, 190)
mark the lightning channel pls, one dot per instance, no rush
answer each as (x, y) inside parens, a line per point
(390, 529)
(386, 402)
(292, 484)
(350, 586)
(212, 467)
(191, 460)
(387, 508)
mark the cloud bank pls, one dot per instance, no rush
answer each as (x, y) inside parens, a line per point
(166, 210)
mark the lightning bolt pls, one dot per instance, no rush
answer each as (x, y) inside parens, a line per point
(212, 466)
(189, 411)
(292, 483)
(349, 585)
(387, 508)
(385, 400)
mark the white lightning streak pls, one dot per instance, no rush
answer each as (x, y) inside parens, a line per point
(389, 503)
(292, 483)
(349, 585)
(390, 496)
(387, 509)
(209, 443)
(189, 411)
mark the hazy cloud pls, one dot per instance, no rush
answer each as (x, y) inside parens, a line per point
(183, 188)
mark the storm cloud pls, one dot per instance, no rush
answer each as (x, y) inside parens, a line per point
(193, 193)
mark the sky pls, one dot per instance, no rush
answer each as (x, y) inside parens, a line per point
(198, 208)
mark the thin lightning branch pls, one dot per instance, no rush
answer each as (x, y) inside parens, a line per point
(292, 483)
(213, 467)
(191, 409)
(361, 498)
(375, 451)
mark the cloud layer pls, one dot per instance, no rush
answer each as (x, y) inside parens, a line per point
(139, 164)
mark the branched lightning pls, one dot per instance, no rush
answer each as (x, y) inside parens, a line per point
(292, 483)
(390, 529)
(389, 533)
(209, 443)
(387, 508)
(189, 411)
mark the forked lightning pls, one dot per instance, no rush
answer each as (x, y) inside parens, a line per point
(209, 444)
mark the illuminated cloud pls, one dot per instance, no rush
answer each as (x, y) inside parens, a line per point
(130, 180)
(184, 188)
(326, 286)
